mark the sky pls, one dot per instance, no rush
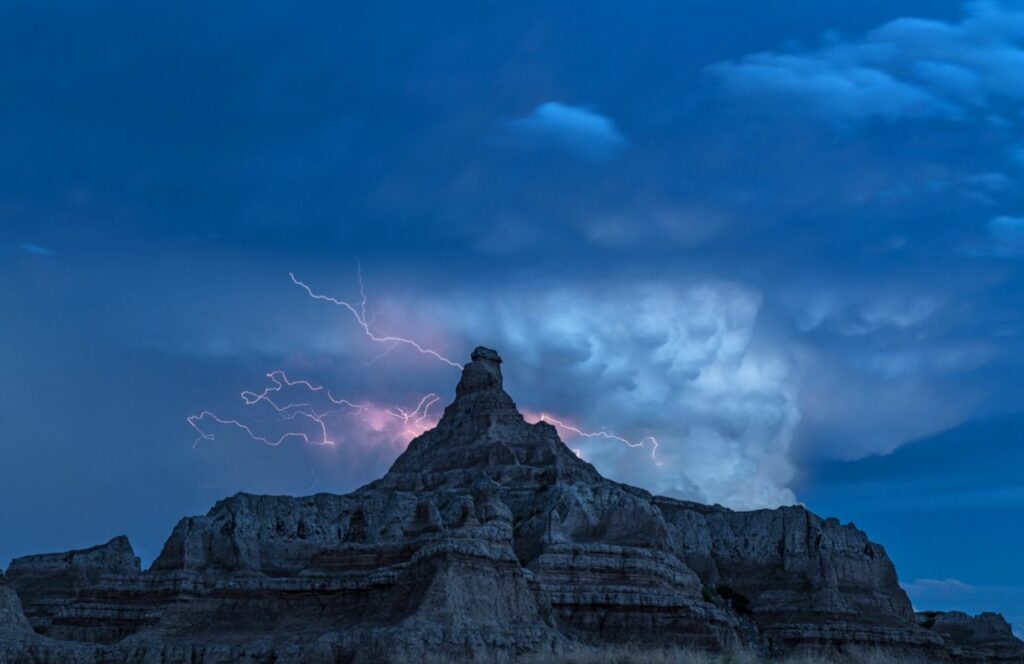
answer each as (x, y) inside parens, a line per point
(773, 252)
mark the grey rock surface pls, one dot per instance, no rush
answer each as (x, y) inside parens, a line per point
(487, 539)
(12, 616)
(986, 637)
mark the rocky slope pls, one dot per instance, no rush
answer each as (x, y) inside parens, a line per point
(488, 538)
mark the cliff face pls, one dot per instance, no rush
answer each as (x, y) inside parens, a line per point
(488, 538)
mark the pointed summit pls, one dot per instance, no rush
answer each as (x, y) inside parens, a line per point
(482, 373)
(483, 434)
(480, 391)
(487, 541)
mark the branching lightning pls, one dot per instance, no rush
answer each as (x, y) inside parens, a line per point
(195, 420)
(361, 318)
(411, 423)
(544, 417)
(416, 419)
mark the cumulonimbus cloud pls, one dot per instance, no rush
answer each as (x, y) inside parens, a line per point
(681, 364)
(736, 400)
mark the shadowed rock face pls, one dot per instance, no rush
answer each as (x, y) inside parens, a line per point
(12, 617)
(488, 538)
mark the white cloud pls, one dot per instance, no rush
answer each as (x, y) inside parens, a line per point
(936, 587)
(841, 94)
(697, 363)
(682, 364)
(907, 68)
(578, 131)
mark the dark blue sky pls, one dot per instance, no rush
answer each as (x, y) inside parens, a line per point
(782, 240)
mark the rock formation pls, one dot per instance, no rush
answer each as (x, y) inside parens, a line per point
(488, 538)
(983, 638)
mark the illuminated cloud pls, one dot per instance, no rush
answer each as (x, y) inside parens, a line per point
(635, 363)
(690, 364)
(681, 364)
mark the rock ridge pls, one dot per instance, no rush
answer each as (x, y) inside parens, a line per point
(488, 539)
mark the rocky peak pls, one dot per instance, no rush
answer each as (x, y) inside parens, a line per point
(480, 393)
(487, 539)
(114, 557)
(483, 373)
(483, 429)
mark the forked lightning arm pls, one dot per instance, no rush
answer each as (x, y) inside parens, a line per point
(414, 420)
(604, 434)
(360, 316)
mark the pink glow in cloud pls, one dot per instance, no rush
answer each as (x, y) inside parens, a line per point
(366, 321)
(318, 413)
(311, 413)
(301, 402)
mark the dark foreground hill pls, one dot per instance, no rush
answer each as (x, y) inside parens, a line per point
(487, 539)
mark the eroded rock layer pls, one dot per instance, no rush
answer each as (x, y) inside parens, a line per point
(488, 538)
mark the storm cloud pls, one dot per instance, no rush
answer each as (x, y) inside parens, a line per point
(770, 244)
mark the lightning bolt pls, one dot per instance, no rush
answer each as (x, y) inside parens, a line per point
(195, 421)
(360, 315)
(291, 411)
(415, 421)
(279, 380)
(358, 312)
(415, 418)
(412, 422)
(544, 417)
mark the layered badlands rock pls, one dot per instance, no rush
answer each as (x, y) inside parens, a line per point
(487, 539)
